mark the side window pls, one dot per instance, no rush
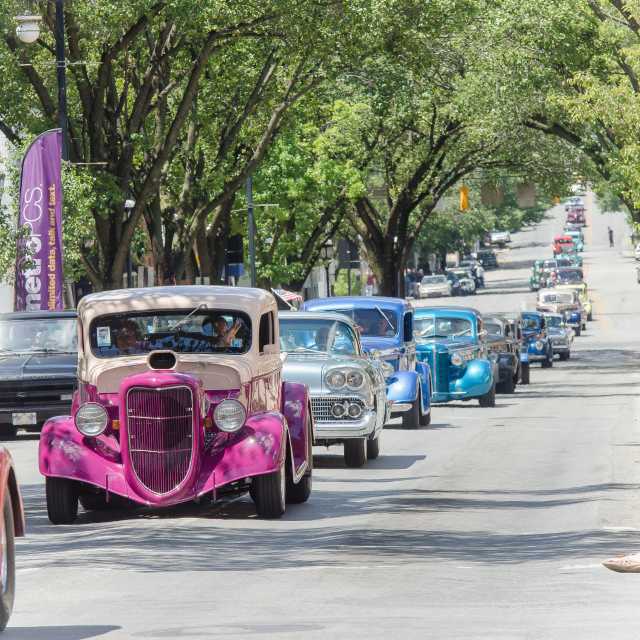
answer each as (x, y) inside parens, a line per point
(267, 330)
(408, 326)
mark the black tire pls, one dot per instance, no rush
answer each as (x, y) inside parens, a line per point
(355, 452)
(590, 316)
(488, 400)
(269, 493)
(62, 500)
(9, 432)
(525, 373)
(548, 363)
(299, 493)
(95, 502)
(565, 356)
(508, 386)
(411, 418)
(425, 418)
(8, 589)
(578, 331)
(373, 448)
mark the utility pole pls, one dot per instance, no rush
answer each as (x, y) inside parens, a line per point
(62, 79)
(252, 232)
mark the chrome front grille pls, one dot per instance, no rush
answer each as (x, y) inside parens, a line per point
(160, 435)
(322, 407)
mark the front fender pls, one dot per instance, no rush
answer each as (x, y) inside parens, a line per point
(402, 386)
(476, 381)
(424, 372)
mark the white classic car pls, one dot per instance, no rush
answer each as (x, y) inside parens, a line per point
(433, 286)
(347, 387)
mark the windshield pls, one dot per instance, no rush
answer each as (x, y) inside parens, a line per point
(530, 323)
(310, 335)
(433, 280)
(554, 321)
(205, 331)
(373, 322)
(39, 335)
(562, 298)
(441, 327)
(493, 328)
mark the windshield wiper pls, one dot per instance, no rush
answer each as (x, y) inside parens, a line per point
(189, 315)
(305, 350)
(381, 312)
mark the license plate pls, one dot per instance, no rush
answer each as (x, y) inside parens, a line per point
(23, 419)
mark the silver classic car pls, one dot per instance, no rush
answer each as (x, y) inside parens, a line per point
(347, 388)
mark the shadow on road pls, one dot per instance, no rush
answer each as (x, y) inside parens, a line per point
(73, 632)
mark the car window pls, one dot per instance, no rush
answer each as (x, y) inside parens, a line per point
(207, 331)
(433, 279)
(493, 328)
(426, 327)
(31, 335)
(376, 321)
(300, 335)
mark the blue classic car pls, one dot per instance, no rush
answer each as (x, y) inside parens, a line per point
(451, 341)
(347, 388)
(539, 347)
(386, 330)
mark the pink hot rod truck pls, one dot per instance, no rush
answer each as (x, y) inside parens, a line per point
(180, 398)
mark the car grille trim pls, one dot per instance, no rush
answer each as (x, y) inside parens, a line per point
(161, 446)
(321, 408)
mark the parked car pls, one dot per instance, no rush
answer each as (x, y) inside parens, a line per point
(347, 388)
(539, 347)
(488, 259)
(434, 286)
(504, 350)
(583, 295)
(560, 334)
(466, 282)
(12, 526)
(563, 244)
(564, 302)
(37, 368)
(451, 341)
(386, 333)
(180, 398)
(501, 238)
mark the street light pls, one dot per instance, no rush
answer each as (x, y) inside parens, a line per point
(326, 253)
(128, 206)
(28, 31)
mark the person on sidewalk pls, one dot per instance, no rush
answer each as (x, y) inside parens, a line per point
(610, 230)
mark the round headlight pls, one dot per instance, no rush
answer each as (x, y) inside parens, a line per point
(355, 410)
(91, 419)
(457, 360)
(229, 415)
(539, 345)
(336, 379)
(355, 379)
(338, 410)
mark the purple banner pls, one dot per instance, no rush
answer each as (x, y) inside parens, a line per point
(39, 279)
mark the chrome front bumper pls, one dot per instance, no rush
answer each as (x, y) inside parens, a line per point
(346, 429)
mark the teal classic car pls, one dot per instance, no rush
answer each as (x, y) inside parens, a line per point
(451, 340)
(577, 237)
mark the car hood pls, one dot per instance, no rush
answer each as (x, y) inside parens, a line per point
(32, 366)
(445, 343)
(309, 369)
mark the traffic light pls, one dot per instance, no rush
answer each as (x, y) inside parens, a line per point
(464, 198)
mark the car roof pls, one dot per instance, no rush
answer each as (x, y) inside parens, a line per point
(450, 310)
(315, 315)
(37, 315)
(254, 302)
(354, 302)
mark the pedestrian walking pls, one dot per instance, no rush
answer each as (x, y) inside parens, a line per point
(610, 231)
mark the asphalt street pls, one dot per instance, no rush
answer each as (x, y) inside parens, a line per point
(490, 523)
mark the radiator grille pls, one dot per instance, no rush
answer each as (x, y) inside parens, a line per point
(321, 408)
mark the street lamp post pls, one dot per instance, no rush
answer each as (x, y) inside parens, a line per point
(251, 232)
(28, 32)
(326, 253)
